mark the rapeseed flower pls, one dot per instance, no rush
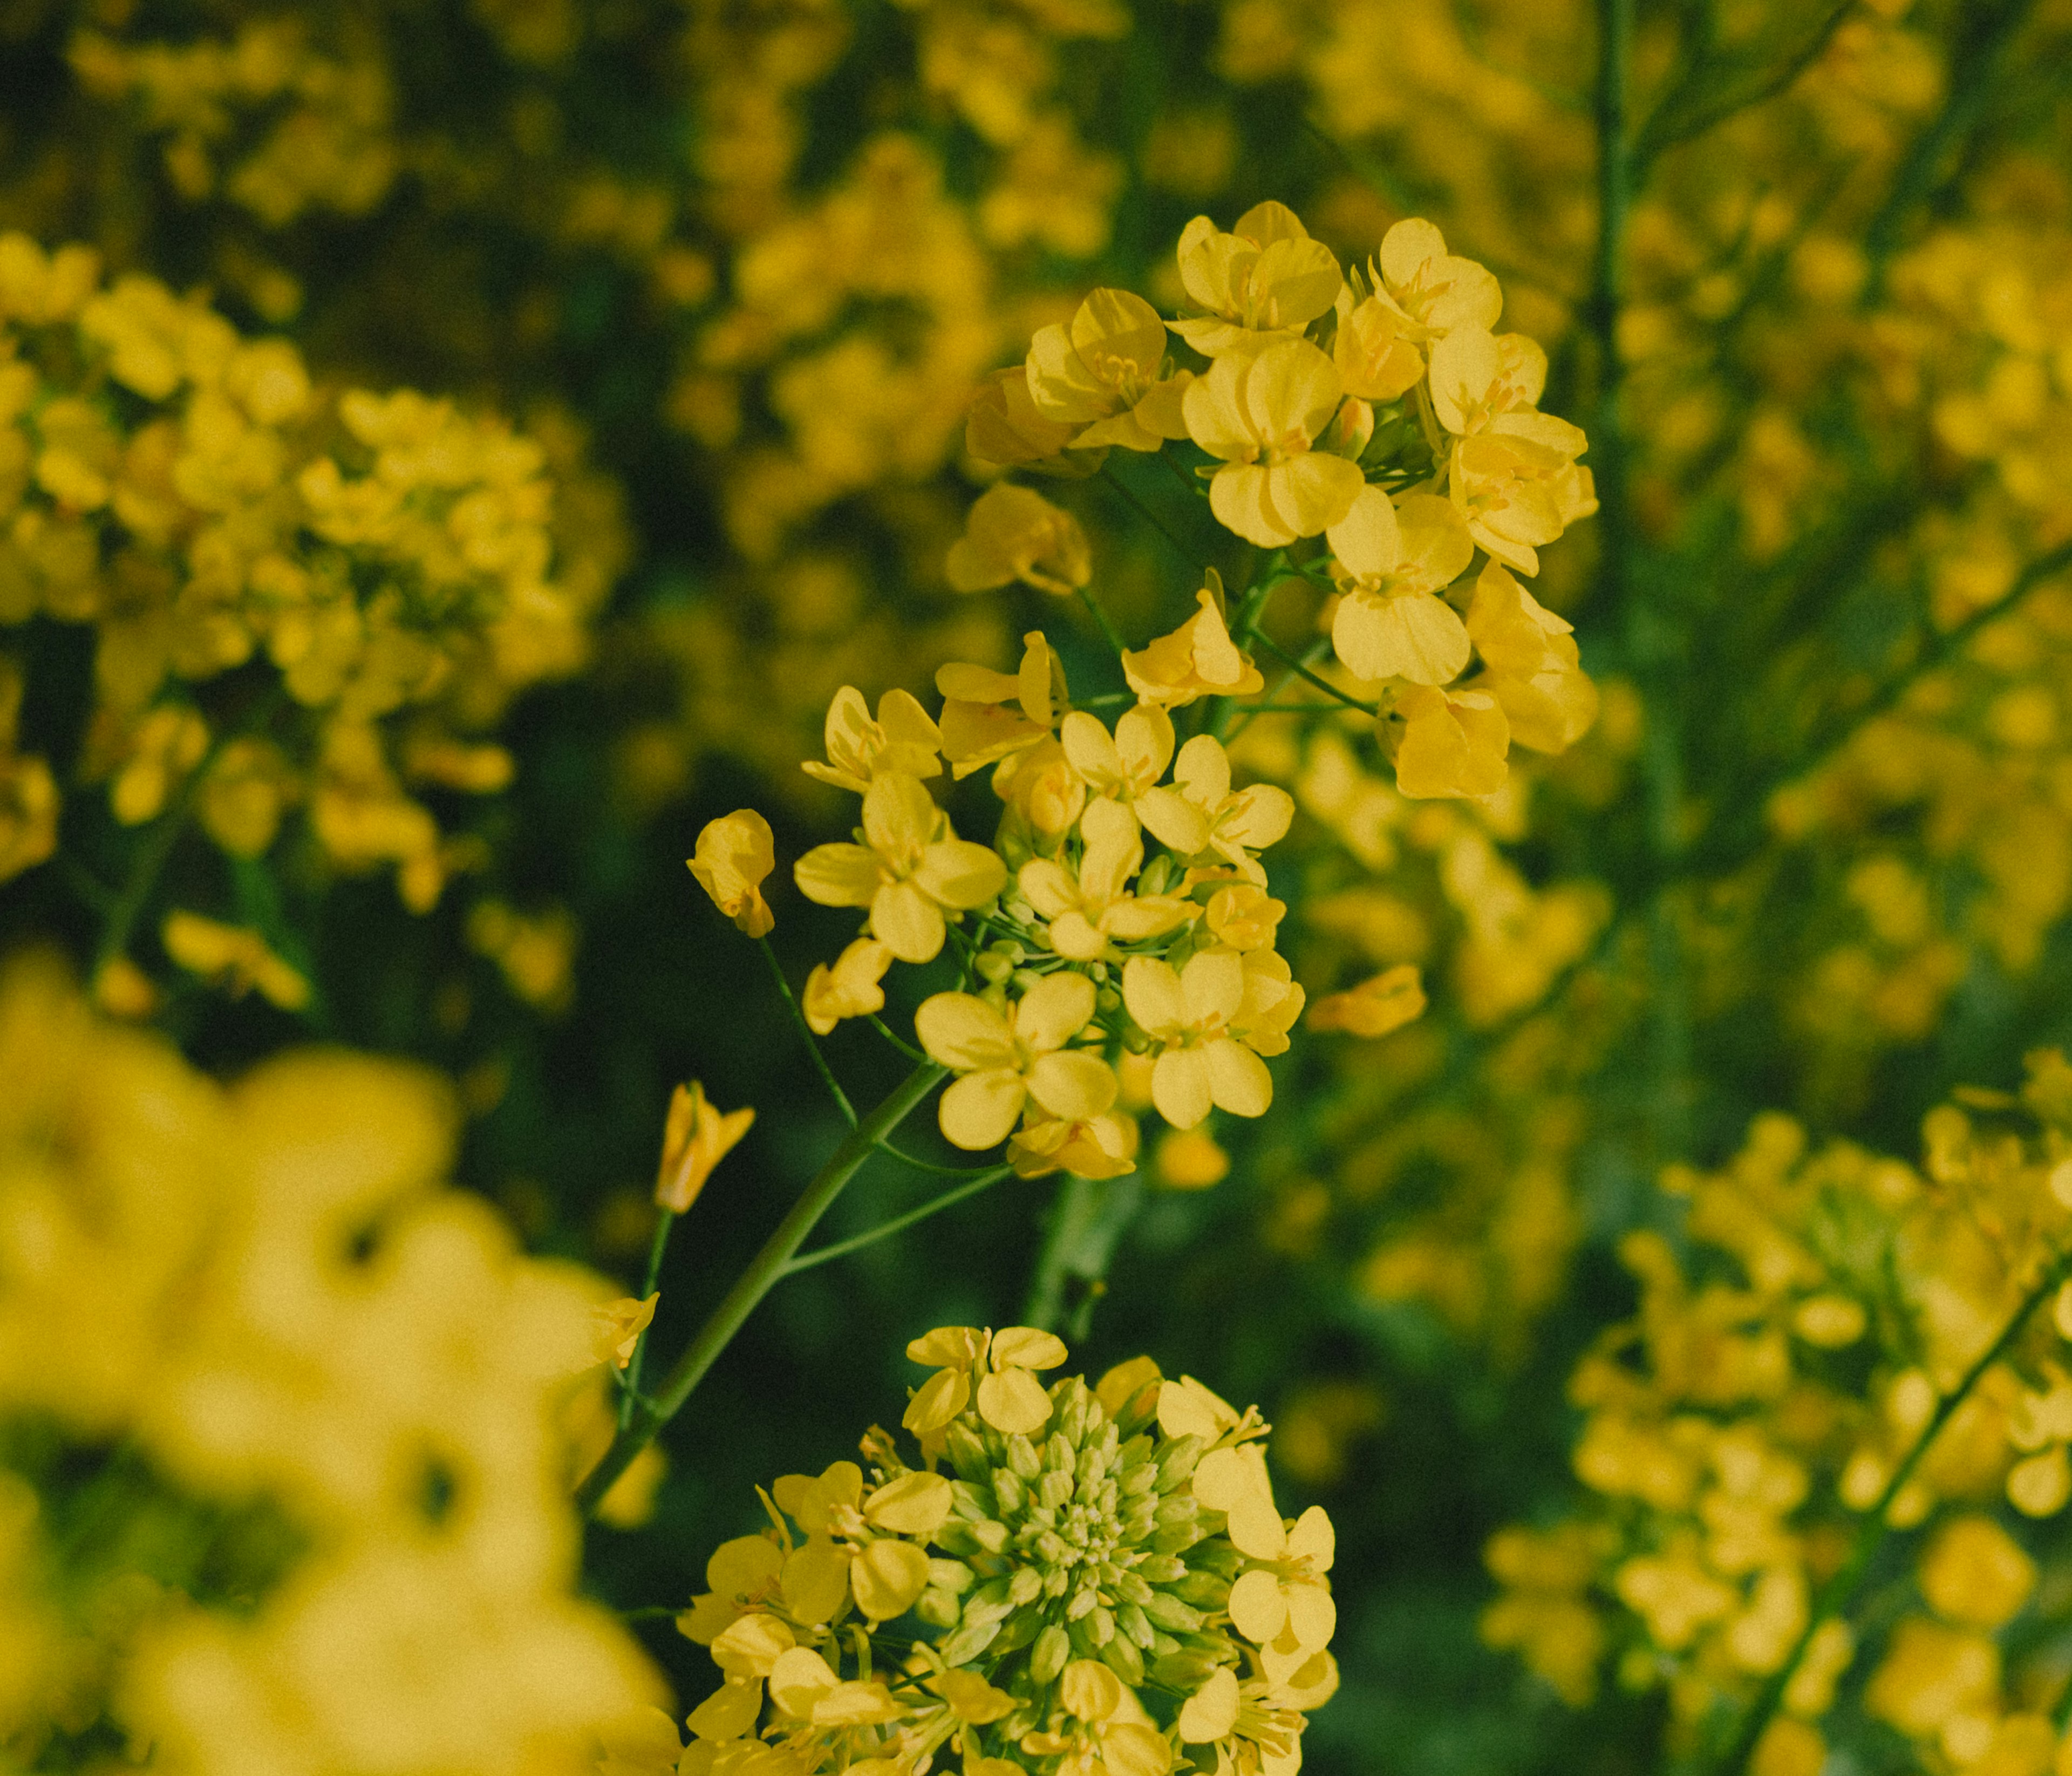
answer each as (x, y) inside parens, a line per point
(695, 1138)
(734, 855)
(1262, 412)
(1004, 1060)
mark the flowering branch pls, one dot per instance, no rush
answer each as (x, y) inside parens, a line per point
(767, 1269)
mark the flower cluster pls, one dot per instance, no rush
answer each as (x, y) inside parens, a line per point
(192, 496)
(1097, 1578)
(314, 1407)
(1115, 911)
(1377, 410)
(1744, 1433)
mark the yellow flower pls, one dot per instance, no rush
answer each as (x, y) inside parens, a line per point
(849, 989)
(1517, 490)
(1392, 562)
(1245, 917)
(1391, 999)
(1004, 1060)
(238, 958)
(988, 715)
(1976, 1574)
(1376, 347)
(29, 806)
(1102, 1146)
(1010, 1399)
(619, 1327)
(1282, 1594)
(910, 871)
(734, 854)
(1239, 824)
(1013, 533)
(695, 1139)
(1480, 380)
(904, 738)
(1039, 786)
(1089, 908)
(1452, 743)
(1265, 277)
(1104, 374)
(1198, 659)
(1005, 428)
(1534, 670)
(1124, 767)
(1190, 1159)
(1271, 1003)
(1260, 413)
(1434, 290)
(1200, 1064)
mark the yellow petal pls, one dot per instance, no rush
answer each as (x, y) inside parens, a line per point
(979, 1110)
(838, 875)
(906, 922)
(914, 1504)
(1254, 1526)
(1313, 1618)
(1211, 1712)
(1257, 1609)
(888, 1576)
(1013, 1401)
(728, 1712)
(1151, 991)
(960, 874)
(1180, 1087)
(937, 1401)
(964, 1032)
(1075, 1085)
(799, 1679)
(1027, 1347)
(1053, 1011)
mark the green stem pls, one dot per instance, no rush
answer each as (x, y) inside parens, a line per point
(806, 1035)
(1311, 655)
(1834, 1596)
(764, 1271)
(158, 843)
(1086, 1220)
(1100, 617)
(906, 1159)
(1303, 672)
(841, 1248)
(1148, 517)
(905, 1047)
(655, 1251)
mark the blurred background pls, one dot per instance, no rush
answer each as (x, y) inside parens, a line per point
(723, 274)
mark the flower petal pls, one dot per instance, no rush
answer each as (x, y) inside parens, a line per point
(964, 1033)
(1180, 1087)
(838, 875)
(1257, 1611)
(960, 873)
(979, 1110)
(1053, 1011)
(1075, 1084)
(1238, 1079)
(1013, 1401)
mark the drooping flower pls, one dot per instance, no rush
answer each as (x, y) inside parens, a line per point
(1015, 533)
(618, 1328)
(1393, 562)
(1535, 671)
(1261, 412)
(1196, 659)
(734, 854)
(1452, 743)
(850, 989)
(1006, 1059)
(911, 871)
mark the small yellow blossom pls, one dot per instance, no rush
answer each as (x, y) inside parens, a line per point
(904, 738)
(910, 871)
(1009, 1397)
(28, 808)
(1190, 1159)
(1535, 671)
(1974, 1574)
(1088, 907)
(1391, 999)
(988, 716)
(1200, 1064)
(1125, 767)
(1393, 561)
(1376, 347)
(619, 1327)
(1478, 379)
(1517, 490)
(695, 1139)
(1435, 291)
(1261, 412)
(237, 957)
(1196, 659)
(850, 989)
(1013, 533)
(1102, 1146)
(1240, 822)
(1004, 1060)
(1453, 742)
(1265, 277)
(1104, 374)
(1245, 917)
(734, 854)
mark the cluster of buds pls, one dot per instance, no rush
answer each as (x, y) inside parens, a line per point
(1377, 410)
(1073, 1578)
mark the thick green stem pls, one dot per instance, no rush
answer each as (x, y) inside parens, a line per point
(1834, 1596)
(764, 1271)
(1087, 1221)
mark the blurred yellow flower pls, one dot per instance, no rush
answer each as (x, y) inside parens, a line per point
(1453, 742)
(1013, 533)
(1375, 1007)
(237, 958)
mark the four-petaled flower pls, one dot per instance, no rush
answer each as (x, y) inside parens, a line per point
(1201, 1064)
(1261, 412)
(1393, 562)
(904, 738)
(1105, 374)
(1004, 1059)
(910, 871)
